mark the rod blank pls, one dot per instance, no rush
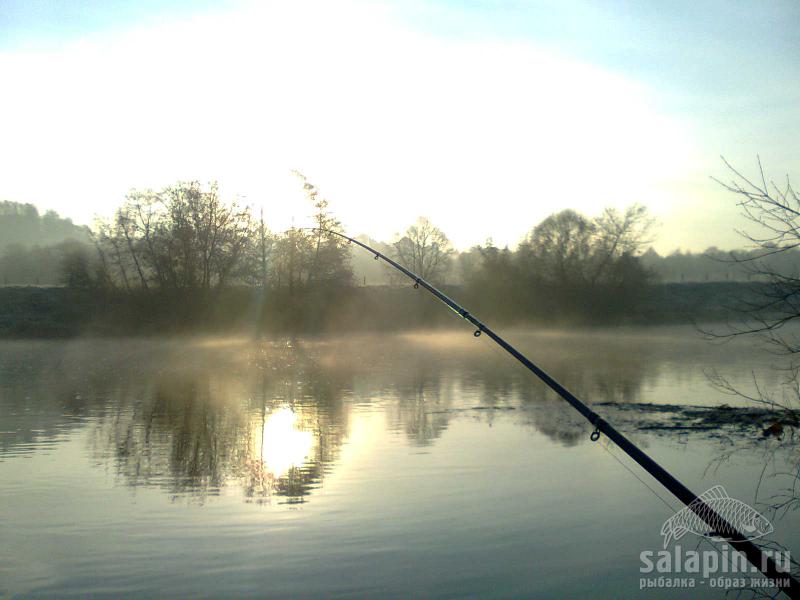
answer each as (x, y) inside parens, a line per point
(765, 564)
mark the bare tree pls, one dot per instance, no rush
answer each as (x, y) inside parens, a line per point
(573, 250)
(184, 237)
(289, 265)
(774, 301)
(262, 247)
(330, 258)
(619, 234)
(127, 228)
(425, 250)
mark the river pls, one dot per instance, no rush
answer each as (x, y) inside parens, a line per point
(422, 464)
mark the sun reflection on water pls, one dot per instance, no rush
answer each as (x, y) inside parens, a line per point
(283, 444)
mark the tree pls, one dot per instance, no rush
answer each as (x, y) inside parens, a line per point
(582, 267)
(22, 223)
(561, 248)
(76, 266)
(572, 249)
(184, 237)
(425, 250)
(305, 258)
(774, 213)
(330, 261)
(291, 252)
(264, 246)
(619, 235)
(771, 304)
(492, 282)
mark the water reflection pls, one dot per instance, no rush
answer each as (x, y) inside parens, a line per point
(195, 416)
(171, 464)
(189, 418)
(282, 445)
(423, 398)
(262, 419)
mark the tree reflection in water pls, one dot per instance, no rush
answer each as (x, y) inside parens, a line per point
(270, 418)
(194, 416)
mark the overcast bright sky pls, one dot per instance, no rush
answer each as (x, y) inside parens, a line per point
(484, 116)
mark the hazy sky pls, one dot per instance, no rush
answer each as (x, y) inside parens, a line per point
(483, 116)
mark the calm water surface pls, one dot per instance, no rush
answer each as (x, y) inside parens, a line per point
(421, 464)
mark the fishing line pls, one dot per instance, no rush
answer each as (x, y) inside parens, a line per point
(727, 556)
(496, 351)
(642, 481)
(605, 446)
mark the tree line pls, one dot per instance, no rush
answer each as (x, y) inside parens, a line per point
(568, 266)
(23, 224)
(46, 249)
(187, 242)
(33, 245)
(186, 238)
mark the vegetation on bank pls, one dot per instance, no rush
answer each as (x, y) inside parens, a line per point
(183, 259)
(34, 248)
(57, 312)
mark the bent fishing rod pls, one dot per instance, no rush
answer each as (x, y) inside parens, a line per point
(761, 561)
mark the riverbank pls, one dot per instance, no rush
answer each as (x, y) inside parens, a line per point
(59, 312)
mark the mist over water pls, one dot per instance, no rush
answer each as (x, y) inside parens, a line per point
(421, 462)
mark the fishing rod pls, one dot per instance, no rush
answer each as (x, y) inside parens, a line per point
(763, 562)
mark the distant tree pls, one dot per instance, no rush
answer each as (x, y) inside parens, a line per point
(184, 237)
(17, 265)
(264, 249)
(76, 267)
(128, 234)
(572, 249)
(330, 258)
(560, 248)
(302, 259)
(39, 265)
(618, 235)
(291, 258)
(425, 250)
(22, 224)
(492, 280)
(573, 264)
